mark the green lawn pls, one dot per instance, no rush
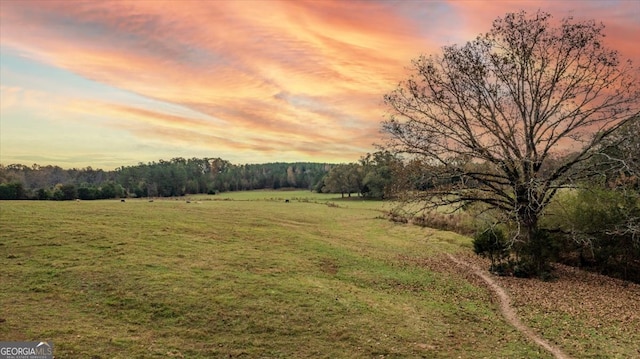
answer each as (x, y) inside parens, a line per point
(238, 275)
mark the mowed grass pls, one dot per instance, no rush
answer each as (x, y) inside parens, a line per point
(238, 277)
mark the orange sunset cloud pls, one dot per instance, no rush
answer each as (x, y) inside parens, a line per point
(249, 81)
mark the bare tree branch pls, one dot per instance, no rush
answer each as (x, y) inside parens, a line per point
(495, 119)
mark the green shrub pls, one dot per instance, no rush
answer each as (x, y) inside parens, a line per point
(598, 229)
(491, 242)
(538, 252)
(522, 269)
(12, 191)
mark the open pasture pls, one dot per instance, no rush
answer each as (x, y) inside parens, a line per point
(239, 277)
(331, 199)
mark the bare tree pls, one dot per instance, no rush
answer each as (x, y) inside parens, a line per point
(494, 119)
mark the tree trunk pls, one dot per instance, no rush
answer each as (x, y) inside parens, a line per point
(535, 249)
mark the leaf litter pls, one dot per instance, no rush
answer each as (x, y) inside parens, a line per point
(583, 313)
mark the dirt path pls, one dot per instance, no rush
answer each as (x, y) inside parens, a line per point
(508, 311)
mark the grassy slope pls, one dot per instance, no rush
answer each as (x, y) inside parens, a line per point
(255, 277)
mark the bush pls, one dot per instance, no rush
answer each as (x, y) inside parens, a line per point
(537, 254)
(522, 269)
(88, 193)
(43, 194)
(454, 222)
(491, 242)
(598, 229)
(12, 191)
(64, 192)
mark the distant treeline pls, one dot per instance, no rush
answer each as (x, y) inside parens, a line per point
(179, 177)
(176, 177)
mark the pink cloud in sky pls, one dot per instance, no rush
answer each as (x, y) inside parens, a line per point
(620, 17)
(272, 80)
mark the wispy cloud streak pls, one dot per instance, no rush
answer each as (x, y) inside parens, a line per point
(267, 80)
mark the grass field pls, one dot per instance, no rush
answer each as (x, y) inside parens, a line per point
(239, 275)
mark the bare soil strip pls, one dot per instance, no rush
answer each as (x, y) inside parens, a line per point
(507, 310)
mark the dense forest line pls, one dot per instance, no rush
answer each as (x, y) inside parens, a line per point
(179, 177)
(164, 178)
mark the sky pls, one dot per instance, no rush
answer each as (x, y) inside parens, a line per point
(114, 83)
